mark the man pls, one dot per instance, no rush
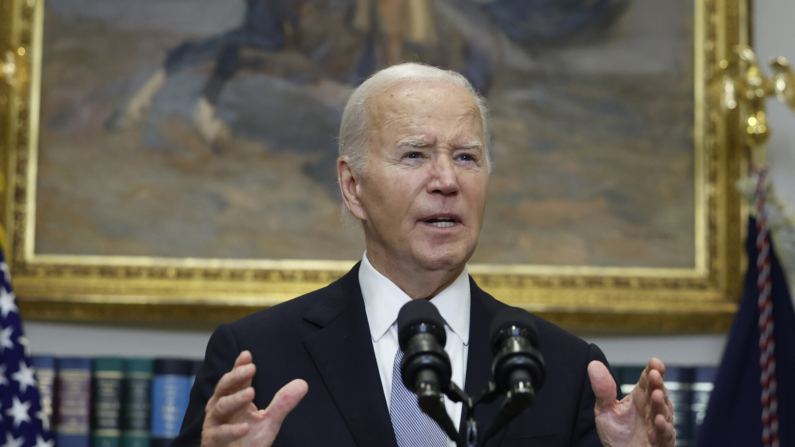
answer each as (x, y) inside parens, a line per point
(413, 169)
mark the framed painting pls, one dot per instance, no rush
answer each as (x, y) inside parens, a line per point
(174, 159)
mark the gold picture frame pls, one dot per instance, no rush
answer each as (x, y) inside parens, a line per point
(701, 299)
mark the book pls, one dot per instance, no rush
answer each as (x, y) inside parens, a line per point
(703, 378)
(136, 401)
(171, 385)
(73, 401)
(45, 378)
(628, 376)
(106, 385)
(678, 381)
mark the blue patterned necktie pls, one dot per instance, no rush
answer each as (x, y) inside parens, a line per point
(412, 427)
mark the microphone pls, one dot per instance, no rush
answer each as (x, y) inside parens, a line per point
(425, 367)
(422, 338)
(518, 367)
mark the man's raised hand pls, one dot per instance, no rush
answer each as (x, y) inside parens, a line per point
(644, 418)
(232, 419)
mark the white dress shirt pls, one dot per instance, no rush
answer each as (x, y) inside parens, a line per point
(382, 302)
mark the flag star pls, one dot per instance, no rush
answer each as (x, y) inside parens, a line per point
(44, 418)
(19, 411)
(6, 272)
(24, 376)
(5, 339)
(3, 380)
(40, 442)
(11, 442)
(7, 304)
(22, 340)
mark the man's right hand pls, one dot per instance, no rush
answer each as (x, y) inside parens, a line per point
(232, 419)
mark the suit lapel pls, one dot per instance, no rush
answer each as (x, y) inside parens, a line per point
(342, 351)
(479, 360)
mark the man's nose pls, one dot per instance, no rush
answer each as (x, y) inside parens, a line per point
(443, 177)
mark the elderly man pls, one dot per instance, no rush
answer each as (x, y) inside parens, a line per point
(413, 168)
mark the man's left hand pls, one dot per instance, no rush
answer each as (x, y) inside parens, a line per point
(643, 418)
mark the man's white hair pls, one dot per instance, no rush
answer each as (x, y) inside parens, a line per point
(353, 139)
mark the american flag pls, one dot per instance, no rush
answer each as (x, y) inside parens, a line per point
(23, 423)
(753, 401)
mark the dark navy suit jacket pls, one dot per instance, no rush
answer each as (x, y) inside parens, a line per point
(323, 337)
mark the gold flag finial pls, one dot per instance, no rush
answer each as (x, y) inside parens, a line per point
(746, 86)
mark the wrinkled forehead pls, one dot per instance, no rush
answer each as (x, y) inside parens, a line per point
(420, 100)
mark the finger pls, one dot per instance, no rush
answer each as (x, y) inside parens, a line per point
(656, 383)
(665, 431)
(233, 381)
(650, 379)
(223, 435)
(653, 382)
(228, 407)
(654, 364)
(657, 364)
(603, 385)
(244, 358)
(285, 401)
(659, 406)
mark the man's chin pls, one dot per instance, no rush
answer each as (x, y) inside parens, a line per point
(445, 260)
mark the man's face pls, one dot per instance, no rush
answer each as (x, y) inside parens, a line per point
(423, 194)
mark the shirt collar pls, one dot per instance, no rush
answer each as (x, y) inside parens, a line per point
(383, 300)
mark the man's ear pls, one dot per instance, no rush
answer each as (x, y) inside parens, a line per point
(349, 183)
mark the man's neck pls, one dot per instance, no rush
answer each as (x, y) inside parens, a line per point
(415, 281)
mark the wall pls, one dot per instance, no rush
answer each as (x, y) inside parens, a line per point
(773, 38)
(92, 340)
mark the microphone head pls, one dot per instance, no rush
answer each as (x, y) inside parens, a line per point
(514, 342)
(419, 316)
(512, 321)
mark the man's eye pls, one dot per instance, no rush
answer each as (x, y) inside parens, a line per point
(466, 157)
(413, 155)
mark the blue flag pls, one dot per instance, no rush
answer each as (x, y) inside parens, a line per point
(22, 421)
(735, 415)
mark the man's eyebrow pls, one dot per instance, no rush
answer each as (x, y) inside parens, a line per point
(414, 143)
(475, 144)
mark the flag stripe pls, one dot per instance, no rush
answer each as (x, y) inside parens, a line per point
(767, 360)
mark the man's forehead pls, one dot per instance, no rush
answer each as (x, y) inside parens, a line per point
(420, 97)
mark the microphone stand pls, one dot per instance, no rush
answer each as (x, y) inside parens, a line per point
(431, 402)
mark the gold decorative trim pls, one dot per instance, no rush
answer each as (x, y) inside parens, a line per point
(583, 298)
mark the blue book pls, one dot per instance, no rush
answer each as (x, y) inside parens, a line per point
(703, 378)
(73, 402)
(45, 377)
(171, 385)
(678, 381)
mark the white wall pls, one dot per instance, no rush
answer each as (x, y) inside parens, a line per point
(93, 340)
(774, 37)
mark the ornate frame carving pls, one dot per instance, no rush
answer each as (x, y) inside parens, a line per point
(702, 299)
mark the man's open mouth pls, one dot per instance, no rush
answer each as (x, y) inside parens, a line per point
(441, 222)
